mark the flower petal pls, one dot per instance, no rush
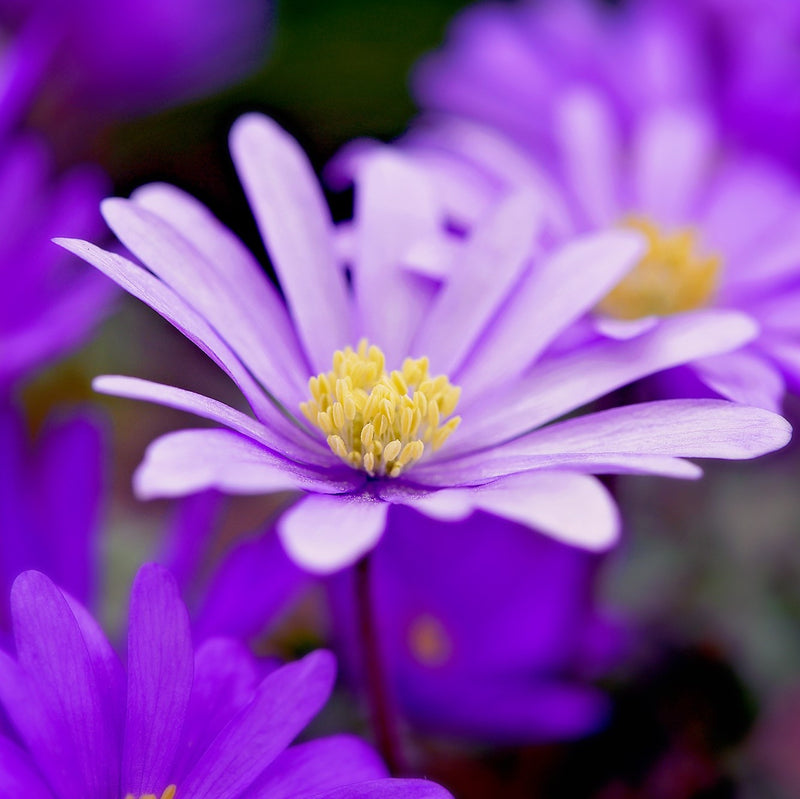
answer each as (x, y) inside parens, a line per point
(66, 683)
(674, 151)
(160, 672)
(492, 260)
(563, 383)
(573, 508)
(388, 789)
(207, 287)
(296, 225)
(283, 704)
(259, 570)
(591, 147)
(18, 776)
(306, 770)
(744, 376)
(324, 533)
(245, 281)
(150, 290)
(554, 294)
(395, 208)
(186, 461)
(309, 451)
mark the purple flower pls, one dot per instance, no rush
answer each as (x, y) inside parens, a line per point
(508, 63)
(178, 723)
(47, 305)
(133, 56)
(376, 431)
(487, 644)
(50, 494)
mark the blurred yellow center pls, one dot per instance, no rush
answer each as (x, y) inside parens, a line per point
(169, 793)
(670, 278)
(428, 640)
(381, 421)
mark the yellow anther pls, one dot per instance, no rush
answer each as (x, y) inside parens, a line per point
(392, 450)
(670, 278)
(376, 420)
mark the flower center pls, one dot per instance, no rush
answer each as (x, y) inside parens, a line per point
(376, 420)
(670, 278)
(429, 642)
(169, 793)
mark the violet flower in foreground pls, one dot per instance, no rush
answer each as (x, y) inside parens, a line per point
(50, 495)
(180, 723)
(48, 305)
(487, 645)
(373, 433)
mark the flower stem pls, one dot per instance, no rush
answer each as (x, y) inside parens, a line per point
(382, 712)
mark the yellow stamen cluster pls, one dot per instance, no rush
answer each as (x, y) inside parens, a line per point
(670, 278)
(377, 421)
(169, 793)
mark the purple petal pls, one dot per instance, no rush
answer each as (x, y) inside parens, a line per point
(388, 789)
(564, 383)
(306, 770)
(67, 684)
(160, 670)
(675, 428)
(553, 295)
(150, 290)
(572, 508)
(205, 286)
(674, 153)
(326, 533)
(225, 681)
(259, 570)
(309, 451)
(244, 278)
(18, 776)
(476, 470)
(283, 704)
(187, 461)
(592, 159)
(395, 208)
(744, 376)
(296, 226)
(492, 260)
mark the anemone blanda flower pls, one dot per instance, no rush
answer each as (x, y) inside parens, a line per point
(50, 493)
(363, 437)
(174, 723)
(132, 56)
(47, 305)
(486, 645)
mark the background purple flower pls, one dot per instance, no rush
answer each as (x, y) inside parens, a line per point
(501, 459)
(485, 629)
(48, 305)
(204, 722)
(51, 496)
(133, 56)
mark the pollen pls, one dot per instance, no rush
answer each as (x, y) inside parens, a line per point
(381, 422)
(673, 276)
(169, 793)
